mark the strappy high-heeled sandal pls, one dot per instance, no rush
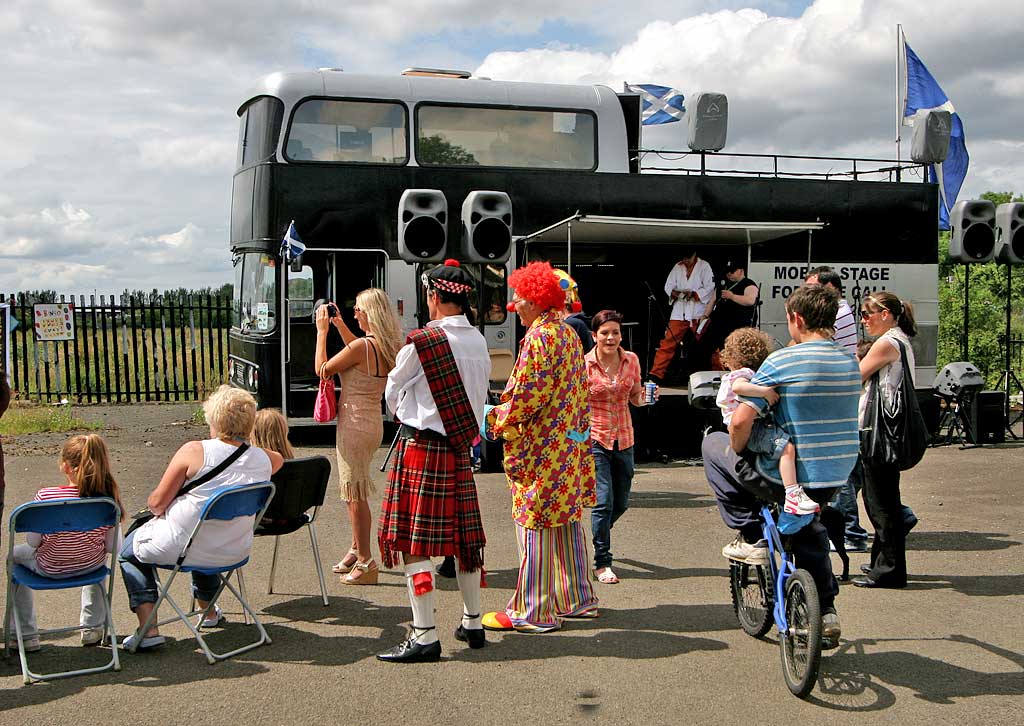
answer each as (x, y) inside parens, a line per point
(367, 574)
(346, 565)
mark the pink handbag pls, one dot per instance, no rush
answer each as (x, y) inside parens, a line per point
(326, 407)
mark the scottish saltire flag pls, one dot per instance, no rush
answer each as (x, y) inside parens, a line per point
(923, 94)
(292, 245)
(661, 104)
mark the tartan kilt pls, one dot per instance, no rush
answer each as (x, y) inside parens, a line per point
(430, 507)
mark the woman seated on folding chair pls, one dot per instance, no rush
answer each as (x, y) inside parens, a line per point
(230, 413)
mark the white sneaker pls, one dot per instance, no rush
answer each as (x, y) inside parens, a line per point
(212, 620)
(742, 551)
(797, 502)
(92, 636)
(830, 629)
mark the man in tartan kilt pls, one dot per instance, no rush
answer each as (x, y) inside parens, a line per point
(437, 391)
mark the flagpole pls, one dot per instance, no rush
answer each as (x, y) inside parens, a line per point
(899, 35)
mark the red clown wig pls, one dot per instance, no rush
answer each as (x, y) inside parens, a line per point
(538, 283)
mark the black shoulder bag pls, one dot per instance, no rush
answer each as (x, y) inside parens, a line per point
(144, 515)
(898, 437)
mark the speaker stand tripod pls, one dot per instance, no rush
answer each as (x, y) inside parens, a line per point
(956, 422)
(1009, 381)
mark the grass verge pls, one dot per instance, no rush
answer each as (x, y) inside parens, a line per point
(43, 419)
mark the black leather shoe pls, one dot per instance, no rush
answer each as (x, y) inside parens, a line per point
(475, 638)
(865, 582)
(866, 569)
(447, 568)
(410, 651)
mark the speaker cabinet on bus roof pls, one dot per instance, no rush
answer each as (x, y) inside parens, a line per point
(422, 225)
(707, 120)
(1010, 233)
(930, 142)
(972, 235)
(487, 226)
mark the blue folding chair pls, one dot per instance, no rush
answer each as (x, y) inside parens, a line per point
(240, 501)
(50, 517)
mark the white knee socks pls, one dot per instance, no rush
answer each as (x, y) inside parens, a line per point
(419, 580)
(469, 586)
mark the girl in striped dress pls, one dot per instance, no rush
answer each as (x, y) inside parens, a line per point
(85, 464)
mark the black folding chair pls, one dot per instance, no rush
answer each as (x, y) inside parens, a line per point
(300, 487)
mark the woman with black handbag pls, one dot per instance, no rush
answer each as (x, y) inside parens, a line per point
(883, 410)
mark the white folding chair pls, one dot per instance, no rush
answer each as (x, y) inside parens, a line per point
(240, 501)
(51, 517)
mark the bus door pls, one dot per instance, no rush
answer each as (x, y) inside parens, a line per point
(326, 274)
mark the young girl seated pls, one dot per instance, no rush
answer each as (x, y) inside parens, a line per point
(271, 432)
(745, 350)
(85, 463)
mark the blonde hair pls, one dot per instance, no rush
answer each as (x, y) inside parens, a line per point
(231, 412)
(89, 460)
(271, 432)
(382, 322)
(746, 348)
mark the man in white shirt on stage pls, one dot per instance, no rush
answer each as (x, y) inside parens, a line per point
(691, 289)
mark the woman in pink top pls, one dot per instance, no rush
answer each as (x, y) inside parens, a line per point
(614, 377)
(85, 464)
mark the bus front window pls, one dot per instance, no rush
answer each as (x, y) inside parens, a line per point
(366, 132)
(257, 293)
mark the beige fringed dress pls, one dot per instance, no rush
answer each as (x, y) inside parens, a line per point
(360, 427)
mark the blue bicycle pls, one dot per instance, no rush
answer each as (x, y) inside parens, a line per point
(786, 596)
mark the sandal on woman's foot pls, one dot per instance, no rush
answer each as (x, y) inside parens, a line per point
(363, 573)
(347, 563)
(606, 576)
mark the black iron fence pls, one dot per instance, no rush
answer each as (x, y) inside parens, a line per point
(123, 349)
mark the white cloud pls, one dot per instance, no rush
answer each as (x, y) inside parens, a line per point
(119, 126)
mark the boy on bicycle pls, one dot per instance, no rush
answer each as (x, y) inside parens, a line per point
(819, 388)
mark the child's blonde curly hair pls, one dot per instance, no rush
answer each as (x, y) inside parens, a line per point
(746, 348)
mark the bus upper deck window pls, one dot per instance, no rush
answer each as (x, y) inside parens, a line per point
(259, 126)
(335, 130)
(505, 137)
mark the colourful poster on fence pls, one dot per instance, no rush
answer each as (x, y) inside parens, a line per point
(5, 340)
(54, 321)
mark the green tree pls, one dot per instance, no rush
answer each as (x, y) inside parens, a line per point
(986, 321)
(438, 150)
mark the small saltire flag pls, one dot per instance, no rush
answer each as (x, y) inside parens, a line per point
(292, 245)
(661, 104)
(924, 94)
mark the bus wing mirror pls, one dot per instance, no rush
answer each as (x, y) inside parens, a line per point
(296, 264)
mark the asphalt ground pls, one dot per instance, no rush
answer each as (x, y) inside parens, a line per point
(666, 649)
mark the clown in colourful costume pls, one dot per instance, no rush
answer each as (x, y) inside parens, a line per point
(544, 419)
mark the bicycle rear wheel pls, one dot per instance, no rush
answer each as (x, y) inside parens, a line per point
(752, 597)
(801, 644)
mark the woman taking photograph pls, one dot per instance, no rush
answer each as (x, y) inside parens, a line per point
(891, 322)
(614, 377)
(363, 364)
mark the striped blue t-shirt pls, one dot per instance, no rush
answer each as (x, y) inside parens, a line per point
(819, 387)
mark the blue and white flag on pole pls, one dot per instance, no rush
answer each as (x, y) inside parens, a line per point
(292, 245)
(661, 104)
(923, 94)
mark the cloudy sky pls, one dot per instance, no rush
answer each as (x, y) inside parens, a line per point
(118, 120)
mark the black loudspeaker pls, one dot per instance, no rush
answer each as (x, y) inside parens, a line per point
(986, 415)
(972, 231)
(422, 225)
(707, 118)
(930, 142)
(1010, 233)
(487, 226)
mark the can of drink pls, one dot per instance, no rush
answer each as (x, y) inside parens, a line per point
(649, 389)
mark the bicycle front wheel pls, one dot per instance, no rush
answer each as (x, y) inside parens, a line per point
(752, 597)
(801, 643)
